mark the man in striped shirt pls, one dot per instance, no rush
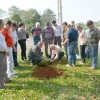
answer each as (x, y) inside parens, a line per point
(48, 37)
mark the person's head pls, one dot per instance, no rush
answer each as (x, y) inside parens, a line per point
(14, 26)
(89, 24)
(52, 47)
(48, 24)
(1, 24)
(64, 24)
(73, 23)
(8, 24)
(21, 24)
(54, 22)
(40, 44)
(69, 27)
(37, 25)
(79, 28)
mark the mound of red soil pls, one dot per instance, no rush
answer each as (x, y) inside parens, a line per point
(47, 72)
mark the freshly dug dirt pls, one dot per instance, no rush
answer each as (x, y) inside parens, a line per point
(47, 72)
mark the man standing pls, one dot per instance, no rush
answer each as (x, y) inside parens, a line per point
(71, 39)
(58, 33)
(15, 37)
(36, 33)
(93, 38)
(48, 37)
(9, 41)
(3, 53)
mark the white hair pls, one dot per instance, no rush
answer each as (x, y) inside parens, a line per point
(52, 46)
(37, 23)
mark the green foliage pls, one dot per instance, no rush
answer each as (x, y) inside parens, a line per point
(16, 17)
(2, 12)
(47, 16)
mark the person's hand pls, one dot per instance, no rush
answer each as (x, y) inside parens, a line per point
(15, 50)
(62, 43)
(7, 53)
(52, 60)
(53, 42)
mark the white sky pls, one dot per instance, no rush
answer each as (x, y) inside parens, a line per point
(77, 10)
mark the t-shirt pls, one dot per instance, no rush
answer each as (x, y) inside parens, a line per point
(8, 37)
(36, 31)
(72, 35)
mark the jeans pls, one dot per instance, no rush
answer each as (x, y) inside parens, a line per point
(57, 40)
(87, 52)
(82, 51)
(71, 51)
(15, 57)
(94, 55)
(65, 46)
(10, 69)
(35, 60)
(36, 39)
(22, 44)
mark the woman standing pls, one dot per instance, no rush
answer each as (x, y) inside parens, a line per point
(82, 41)
(22, 39)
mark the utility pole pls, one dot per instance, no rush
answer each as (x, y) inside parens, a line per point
(60, 12)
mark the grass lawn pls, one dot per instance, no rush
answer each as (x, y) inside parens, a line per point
(79, 83)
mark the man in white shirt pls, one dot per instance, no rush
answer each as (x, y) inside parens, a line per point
(15, 37)
(58, 33)
(3, 53)
(57, 53)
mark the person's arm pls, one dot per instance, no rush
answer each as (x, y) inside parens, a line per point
(25, 31)
(53, 54)
(56, 57)
(3, 46)
(43, 35)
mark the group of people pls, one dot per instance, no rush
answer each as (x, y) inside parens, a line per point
(51, 36)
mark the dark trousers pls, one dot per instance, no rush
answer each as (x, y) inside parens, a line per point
(35, 60)
(22, 44)
(60, 55)
(82, 51)
(57, 40)
(15, 57)
(3, 68)
(47, 43)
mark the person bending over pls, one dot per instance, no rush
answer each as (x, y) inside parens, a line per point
(57, 53)
(35, 54)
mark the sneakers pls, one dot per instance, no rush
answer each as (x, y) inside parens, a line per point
(68, 65)
(13, 76)
(93, 68)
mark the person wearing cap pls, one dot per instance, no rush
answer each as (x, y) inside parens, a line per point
(92, 41)
(15, 37)
(58, 33)
(82, 42)
(36, 33)
(48, 37)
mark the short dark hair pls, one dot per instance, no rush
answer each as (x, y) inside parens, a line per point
(89, 22)
(72, 21)
(64, 23)
(8, 22)
(1, 21)
(14, 24)
(48, 24)
(20, 24)
(54, 22)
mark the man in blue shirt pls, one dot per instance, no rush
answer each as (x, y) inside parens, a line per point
(71, 39)
(36, 33)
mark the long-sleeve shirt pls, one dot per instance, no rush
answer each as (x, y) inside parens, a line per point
(22, 33)
(14, 35)
(55, 52)
(58, 30)
(48, 33)
(8, 37)
(3, 46)
(82, 38)
(35, 51)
